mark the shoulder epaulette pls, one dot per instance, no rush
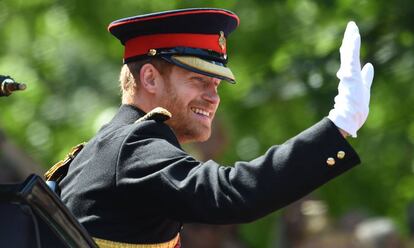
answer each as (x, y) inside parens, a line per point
(60, 169)
(158, 114)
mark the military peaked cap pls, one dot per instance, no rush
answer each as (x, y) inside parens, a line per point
(194, 39)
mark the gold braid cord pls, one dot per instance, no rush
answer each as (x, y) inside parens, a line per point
(157, 114)
(174, 243)
(59, 170)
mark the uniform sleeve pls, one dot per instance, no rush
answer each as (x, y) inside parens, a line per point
(165, 180)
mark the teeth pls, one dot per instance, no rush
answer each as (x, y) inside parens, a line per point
(200, 111)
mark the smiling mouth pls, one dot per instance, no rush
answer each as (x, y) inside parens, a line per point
(201, 112)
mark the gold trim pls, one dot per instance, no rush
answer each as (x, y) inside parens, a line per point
(157, 114)
(205, 66)
(102, 243)
(55, 172)
(222, 41)
(152, 52)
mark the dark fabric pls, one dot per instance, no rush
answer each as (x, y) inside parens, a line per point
(21, 227)
(134, 183)
(195, 21)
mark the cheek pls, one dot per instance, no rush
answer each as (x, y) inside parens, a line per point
(186, 97)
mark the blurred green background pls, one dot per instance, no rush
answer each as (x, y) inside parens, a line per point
(284, 55)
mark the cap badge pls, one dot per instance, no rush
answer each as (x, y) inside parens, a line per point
(152, 52)
(222, 41)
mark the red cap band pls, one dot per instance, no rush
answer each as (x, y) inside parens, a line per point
(142, 44)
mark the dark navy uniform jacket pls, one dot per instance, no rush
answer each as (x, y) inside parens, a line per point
(134, 183)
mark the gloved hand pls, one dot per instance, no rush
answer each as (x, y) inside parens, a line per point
(352, 102)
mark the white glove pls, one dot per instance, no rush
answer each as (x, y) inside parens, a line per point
(352, 102)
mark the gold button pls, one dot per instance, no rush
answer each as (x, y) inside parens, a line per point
(341, 154)
(330, 161)
(152, 52)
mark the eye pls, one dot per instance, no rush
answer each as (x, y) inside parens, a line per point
(206, 82)
(199, 79)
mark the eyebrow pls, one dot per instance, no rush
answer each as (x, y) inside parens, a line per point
(203, 79)
(199, 78)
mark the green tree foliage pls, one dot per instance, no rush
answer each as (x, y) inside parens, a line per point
(284, 55)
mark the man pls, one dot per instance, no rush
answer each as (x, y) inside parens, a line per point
(133, 184)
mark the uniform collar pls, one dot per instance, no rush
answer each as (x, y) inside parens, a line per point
(127, 114)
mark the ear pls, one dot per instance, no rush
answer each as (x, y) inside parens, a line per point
(150, 78)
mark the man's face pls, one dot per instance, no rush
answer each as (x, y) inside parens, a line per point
(192, 99)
